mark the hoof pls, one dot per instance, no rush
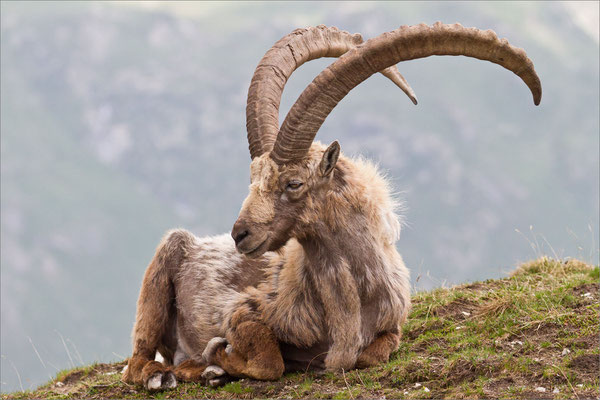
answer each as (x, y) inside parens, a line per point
(169, 380)
(154, 382)
(219, 381)
(211, 348)
(160, 381)
(212, 372)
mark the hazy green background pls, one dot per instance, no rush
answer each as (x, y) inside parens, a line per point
(120, 121)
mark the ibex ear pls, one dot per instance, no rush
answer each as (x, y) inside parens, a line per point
(330, 157)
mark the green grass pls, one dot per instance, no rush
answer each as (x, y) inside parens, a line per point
(498, 338)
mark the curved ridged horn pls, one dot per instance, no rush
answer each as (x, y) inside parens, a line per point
(406, 43)
(273, 71)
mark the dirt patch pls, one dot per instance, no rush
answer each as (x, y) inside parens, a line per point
(417, 371)
(457, 309)
(79, 382)
(418, 331)
(425, 344)
(73, 377)
(495, 386)
(523, 387)
(102, 368)
(114, 392)
(542, 332)
(539, 342)
(586, 294)
(530, 394)
(586, 342)
(592, 288)
(587, 363)
(476, 286)
(484, 286)
(262, 389)
(467, 371)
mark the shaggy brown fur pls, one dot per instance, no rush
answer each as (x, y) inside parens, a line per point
(323, 285)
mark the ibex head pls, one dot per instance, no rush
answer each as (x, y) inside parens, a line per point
(290, 173)
(279, 196)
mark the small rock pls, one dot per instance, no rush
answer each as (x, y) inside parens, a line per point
(580, 385)
(426, 389)
(111, 373)
(60, 384)
(565, 351)
(556, 390)
(417, 385)
(124, 369)
(466, 314)
(459, 327)
(540, 389)
(588, 294)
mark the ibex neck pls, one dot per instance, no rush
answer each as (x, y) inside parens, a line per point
(327, 249)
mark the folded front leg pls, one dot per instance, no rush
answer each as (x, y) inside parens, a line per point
(251, 350)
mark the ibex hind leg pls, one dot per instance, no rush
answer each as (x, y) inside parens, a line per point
(156, 315)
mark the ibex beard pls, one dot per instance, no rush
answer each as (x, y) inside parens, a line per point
(310, 277)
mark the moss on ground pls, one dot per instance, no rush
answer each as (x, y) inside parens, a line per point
(533, 334)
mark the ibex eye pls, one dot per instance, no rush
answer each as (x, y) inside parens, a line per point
(293, 185)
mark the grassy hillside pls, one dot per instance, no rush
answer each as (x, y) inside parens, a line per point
(534, 334)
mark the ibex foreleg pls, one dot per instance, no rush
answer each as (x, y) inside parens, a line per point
(379, 350)
(250, 350)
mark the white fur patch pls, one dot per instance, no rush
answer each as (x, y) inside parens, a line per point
(391, 225)
(155, 381)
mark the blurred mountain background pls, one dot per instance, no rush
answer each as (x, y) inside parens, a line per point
(122, 120)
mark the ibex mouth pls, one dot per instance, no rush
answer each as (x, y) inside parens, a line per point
(256, 251)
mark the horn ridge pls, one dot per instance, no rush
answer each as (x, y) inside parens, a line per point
(405, 43)
(278, 64)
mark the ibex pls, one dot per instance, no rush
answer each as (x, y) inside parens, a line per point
(310, 277)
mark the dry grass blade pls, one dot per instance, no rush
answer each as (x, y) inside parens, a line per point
(494, 308)
(347, 385)
(567, 379)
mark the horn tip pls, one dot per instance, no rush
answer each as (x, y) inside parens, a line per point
(537, 94)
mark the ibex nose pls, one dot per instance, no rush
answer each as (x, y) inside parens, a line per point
(239, 232)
